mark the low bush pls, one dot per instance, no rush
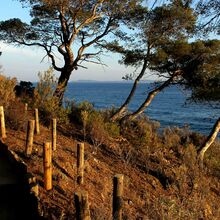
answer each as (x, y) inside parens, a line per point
(16, 118)
(141, 133)
(13, 108)
(7, 93)
(93, 123)
(25, 90)
(46, 102)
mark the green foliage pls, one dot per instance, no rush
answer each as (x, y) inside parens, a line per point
(141, 133)
(172, 21)
(79, 110)
(159, 25)
(170, 57)
(203, 74)
(15, 26)
(95, 124)
(25, 91)
(198, 63)
(45, 89)
(112, 128)
(45, 101)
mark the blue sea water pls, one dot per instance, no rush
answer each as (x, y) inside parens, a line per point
(169, 107)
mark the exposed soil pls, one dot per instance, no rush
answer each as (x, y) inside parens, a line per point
(143, 186)
(100, 167)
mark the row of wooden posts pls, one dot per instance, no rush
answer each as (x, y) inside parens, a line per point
(80, 198)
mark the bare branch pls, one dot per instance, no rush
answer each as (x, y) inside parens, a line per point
(96, 39)
(94, 62)
(84, 67)
(89, 20)
(88, 55)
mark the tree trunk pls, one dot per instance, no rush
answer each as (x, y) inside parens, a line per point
(211, 138)
(121, 111)
(62, 84)
(150, 97)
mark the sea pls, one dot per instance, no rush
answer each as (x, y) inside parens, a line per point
(170, 107)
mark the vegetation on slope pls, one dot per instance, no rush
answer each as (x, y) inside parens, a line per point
(162, 176)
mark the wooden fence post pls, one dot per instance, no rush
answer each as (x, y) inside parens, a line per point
(2, 120)
(117, 196)
(47, 160)
(30, 137)
(32, 181)
(54, 134)
(37, 125)
(80, 163)
(25, 107)
(82, 206)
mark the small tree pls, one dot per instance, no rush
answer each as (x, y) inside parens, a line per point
(43, 94)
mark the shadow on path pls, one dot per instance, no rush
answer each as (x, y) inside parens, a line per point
(15, 200)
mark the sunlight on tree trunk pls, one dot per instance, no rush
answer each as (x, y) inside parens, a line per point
(121, 111)
(150, 97)
(211, 138)
(61, 86)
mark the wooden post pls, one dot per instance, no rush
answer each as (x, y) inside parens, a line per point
(54, 134)
(37, 125)
(2, 120)
(25, 107)
(80, 163)
(82, 206)
(117, 196)
(47, 159)
(32, 181)
(30, 137)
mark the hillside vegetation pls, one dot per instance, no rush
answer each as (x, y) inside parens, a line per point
(162, 179)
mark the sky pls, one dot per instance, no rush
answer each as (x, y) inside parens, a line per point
(24, 63)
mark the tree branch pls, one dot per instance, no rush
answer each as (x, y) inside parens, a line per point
(151, 96)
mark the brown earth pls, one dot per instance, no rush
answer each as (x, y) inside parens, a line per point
(100, 167)
(147, 194)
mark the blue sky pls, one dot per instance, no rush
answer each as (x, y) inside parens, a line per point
(25, 62)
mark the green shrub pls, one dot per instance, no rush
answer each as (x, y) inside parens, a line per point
(93, 123)
(76, 115)
(141, 132)
(96, 129)
(44, 100)
(113, 129)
